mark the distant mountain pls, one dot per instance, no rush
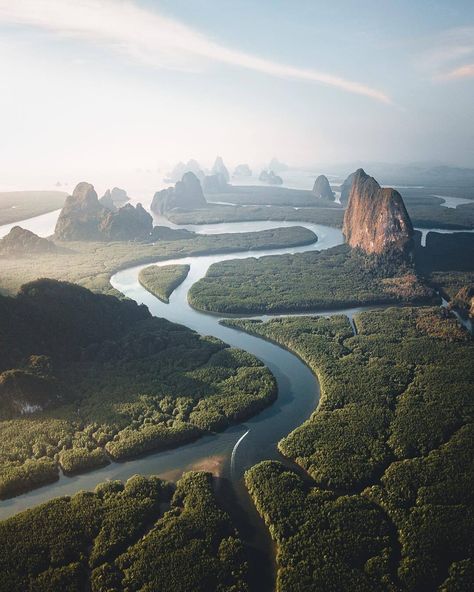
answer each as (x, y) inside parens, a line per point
(84, 217)
(186, 194)
(427, 174)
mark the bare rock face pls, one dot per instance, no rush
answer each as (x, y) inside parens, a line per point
(347, 186)
(219, 168)
(214, 183)
(376, 220)
(182, 168)
(186, 194)
(322, 189)
(83, 217)
(115, 198)
(127, 223)
(20, 242)
(79, 219)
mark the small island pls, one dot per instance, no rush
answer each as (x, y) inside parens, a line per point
(162, 281)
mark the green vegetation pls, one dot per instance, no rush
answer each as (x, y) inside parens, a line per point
(91, 264)
(432, 215)
(117, 538)
(162, 281)
(84, 374)
(338, 277)
(390, 452)
(19, 205)
(460, 218)
(216, 213)
(275, 196)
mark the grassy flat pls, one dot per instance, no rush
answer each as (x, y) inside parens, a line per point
(20, 205)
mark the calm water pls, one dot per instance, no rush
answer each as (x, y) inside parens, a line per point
(231, 452)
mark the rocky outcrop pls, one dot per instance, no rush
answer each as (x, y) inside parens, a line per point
(276, 165)
(81, 214)
(376, 220)
(186, 194)
(214, 184)
(270, 178)
(346, 187)
(83, 217)
(322, 189)
(20, 242)
(127, 223)
(242, 170)
(115, 198)
(220, 169)
(192, 166)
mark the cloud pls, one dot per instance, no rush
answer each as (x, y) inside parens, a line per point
(466, 71)
(447, 60)
(156, 40)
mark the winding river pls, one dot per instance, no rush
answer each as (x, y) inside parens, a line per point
(229, 453)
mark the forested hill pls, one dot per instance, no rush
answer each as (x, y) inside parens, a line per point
(85, 377)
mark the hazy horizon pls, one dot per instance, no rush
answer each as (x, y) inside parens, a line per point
(105, 86)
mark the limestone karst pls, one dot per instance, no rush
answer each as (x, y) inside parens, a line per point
(186, 194)
(270, 178)
(219, 168)
(322, 189)
(376, 220)
(20, 242)
(83, 217)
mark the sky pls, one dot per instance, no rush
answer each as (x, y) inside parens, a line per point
(90, 85)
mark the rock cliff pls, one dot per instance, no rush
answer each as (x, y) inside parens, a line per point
(376, 220)
(79, 219)
(346, 187)
(182, 168)
(127, 223)
(83, 217)
(322, 189)
(214, 183)
(115, 198)
(219, 168)
(186, 194)
(20, 242)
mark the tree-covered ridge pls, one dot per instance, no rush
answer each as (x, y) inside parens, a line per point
(84, 377)
(393, 433)
(91, 264)
(123, 537)
(161, 281)
(335, 278)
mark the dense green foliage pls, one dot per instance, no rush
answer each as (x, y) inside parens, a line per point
(394, 430)
(81, 373)
(91, 264)
(118, 538)
(215, 213)
(161, 281)
(335, 278)
(19, 205)
(423, 213)
(431, 216)
(275, 196)
(325, 541)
